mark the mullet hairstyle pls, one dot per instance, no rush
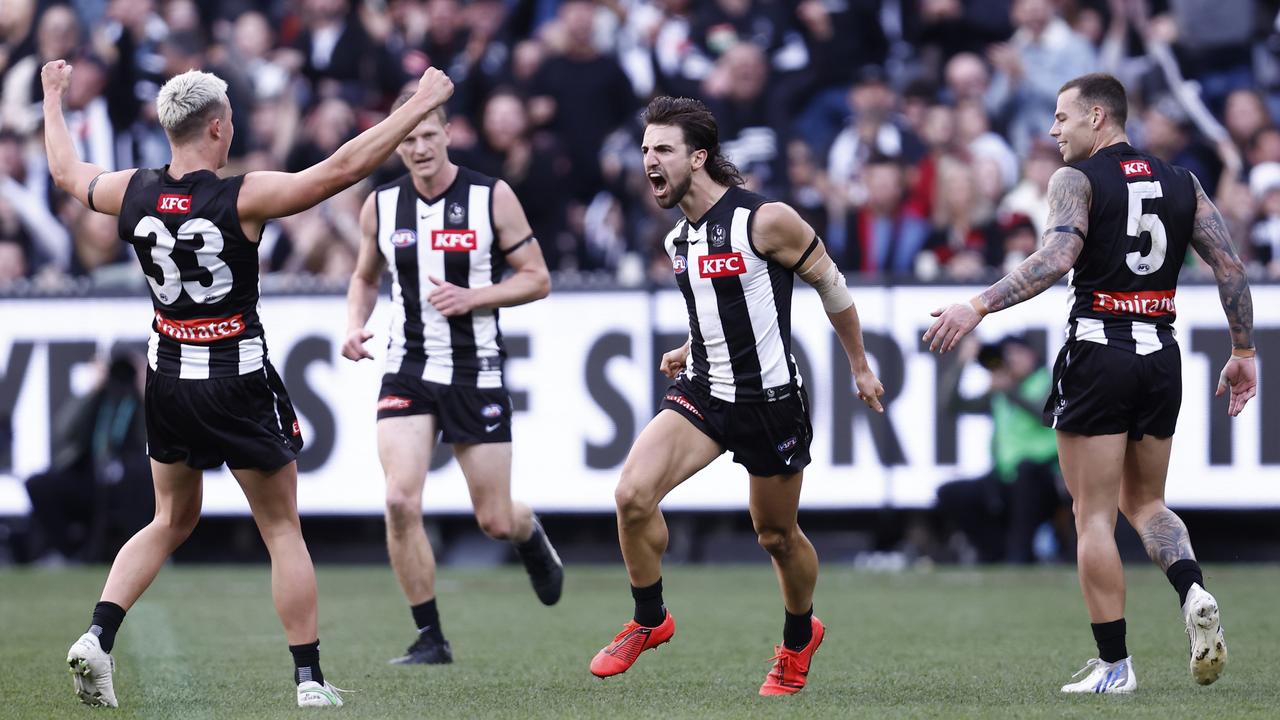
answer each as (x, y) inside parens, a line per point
(1104, 91)
(700, 131)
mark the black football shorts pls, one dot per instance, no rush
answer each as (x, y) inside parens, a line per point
(1101, 390)
(464, 414)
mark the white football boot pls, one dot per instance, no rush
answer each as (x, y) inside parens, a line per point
(313, 694)
(1204, 631)
(1105, 677)
(91, 669)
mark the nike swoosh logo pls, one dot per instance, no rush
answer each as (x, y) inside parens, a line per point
(789, 458)
(491, 428)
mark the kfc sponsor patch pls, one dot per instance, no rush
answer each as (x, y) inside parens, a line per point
(1136, 168)
(723, 265)
(453, 240)
(172, 203)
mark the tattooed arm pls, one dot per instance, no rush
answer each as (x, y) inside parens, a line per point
(1069, 196)
(1212, 242)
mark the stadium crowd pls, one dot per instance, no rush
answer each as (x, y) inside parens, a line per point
(911, 133)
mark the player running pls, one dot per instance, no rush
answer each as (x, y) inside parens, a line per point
(447, 234)
(212, 396)
(736, 386)
(1122, 220)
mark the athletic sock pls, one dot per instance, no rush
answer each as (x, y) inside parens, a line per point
(427, 619)
(107, 617)
(797, 630)
(1110, 639)
(306, 663)
(532, 545)
(1182, 575)
(650, 612)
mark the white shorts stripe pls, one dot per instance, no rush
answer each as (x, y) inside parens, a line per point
(195, 362)
(1145, 338)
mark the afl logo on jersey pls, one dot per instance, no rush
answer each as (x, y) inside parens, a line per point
(404, 238)
(455, 213)
(679, 264)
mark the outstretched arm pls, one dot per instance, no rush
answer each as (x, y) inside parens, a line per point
(1212, 242)
(785, 238)
(267, 195)
(69, 173)
(514, 238)
(1069, 196)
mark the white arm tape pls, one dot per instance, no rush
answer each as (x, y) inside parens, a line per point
(833, 291)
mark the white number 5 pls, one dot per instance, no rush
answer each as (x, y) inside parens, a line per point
(1140, 222)
(168, 290)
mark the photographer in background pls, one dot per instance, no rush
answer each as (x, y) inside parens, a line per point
(1000, 512)
(96, 492)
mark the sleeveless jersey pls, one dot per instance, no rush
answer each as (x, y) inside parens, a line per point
(202, 270)
(1141, 217)
(739, 304)
(451, 238)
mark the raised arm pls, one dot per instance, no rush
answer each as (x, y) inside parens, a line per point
(1069, 196)
(514, 239)
(784, 237)
(267, 195)
(1212, 242)
(70, 174)
(362, 294)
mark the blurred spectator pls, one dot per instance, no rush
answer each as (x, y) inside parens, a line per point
(885, 233)
(1029, 196)
(809, 189)
(58, 34)
(96, 242)
(15, 32)
(1167, 134)
(748, 115)
(339, 57)
(999, 513)
(97, 490)
(13, 255)
(964, 241)
(1264, 236)
(874, 129)
(1042, 55)
(582, 95)
(24, 212)
(1244, 116)
(1215, 40)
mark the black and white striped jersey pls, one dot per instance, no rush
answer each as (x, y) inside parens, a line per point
(202, 270)
(1141, 216)
(739, 304)
(451, 238)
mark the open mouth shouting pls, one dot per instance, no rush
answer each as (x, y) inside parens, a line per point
(658, 183)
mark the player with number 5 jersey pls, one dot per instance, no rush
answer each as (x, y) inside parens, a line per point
(212, 396)
(1121, 221)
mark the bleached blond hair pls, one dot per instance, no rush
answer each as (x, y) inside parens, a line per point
(188, 101)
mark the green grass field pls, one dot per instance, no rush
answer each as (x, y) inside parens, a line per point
(205, 643)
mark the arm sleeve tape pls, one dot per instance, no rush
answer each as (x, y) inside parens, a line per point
(833, 291)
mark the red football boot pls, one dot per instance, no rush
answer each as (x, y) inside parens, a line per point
(791, 667)
(618, 656)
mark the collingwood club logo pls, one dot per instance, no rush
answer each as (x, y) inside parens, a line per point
(717, 235)
(455, 213)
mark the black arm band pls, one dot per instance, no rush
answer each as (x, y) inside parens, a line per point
(518, 245)
(812, 246)
(92, 184)
(1069, 229)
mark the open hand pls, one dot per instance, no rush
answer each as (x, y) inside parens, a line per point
(953, 323)
(869, 388)
(1241, 376)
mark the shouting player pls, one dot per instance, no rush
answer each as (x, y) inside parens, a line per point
(736, 386)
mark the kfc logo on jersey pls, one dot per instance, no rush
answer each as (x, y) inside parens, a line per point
(1136, 168)
(403, 238)
(724, 265)
(394, 402)
(453, 240)
(171, 203)
(200, 330)
(679, 264)
(1150, 303)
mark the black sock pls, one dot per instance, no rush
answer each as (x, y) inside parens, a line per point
(107, 617)
(1110, 639)
(427, 619)
(532, 544)
(797, 631)
(1182, 575)
(650, 611)
(306, 663)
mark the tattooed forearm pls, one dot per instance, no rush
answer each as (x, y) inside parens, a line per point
(1212, 241)
(1036, 274)
(1166, 540)
(1068, 197)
